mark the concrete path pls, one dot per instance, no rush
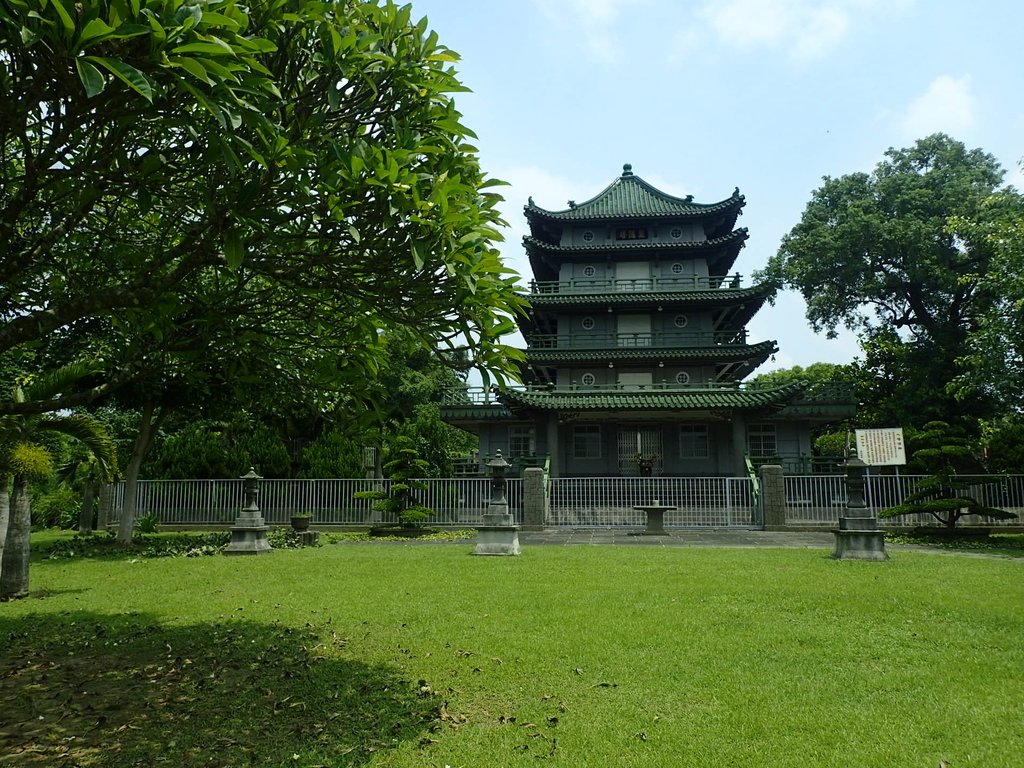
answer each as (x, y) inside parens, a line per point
(676, 538)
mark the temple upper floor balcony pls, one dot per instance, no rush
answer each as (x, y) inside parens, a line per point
(604, 285)
(648, 339)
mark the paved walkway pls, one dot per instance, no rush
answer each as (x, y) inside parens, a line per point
(677, 538)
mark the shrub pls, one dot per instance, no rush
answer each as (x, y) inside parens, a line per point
(197, 452)
(333, 454)
(55, 506)
(260, 448)
(404, 468)
(149, 523)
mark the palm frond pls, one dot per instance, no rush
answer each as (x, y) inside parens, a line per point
(90, 432)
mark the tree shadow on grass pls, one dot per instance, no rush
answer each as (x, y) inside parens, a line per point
(85, 689)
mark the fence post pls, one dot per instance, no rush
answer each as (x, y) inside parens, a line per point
(535, 500)
(773, 497)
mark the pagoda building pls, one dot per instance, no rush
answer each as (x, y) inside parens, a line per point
(637, 344)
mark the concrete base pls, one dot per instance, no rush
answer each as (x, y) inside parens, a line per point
(309, 538)
(497, 540)
(248, 540)
(859, 545)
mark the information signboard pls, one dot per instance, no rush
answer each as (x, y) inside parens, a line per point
(881, 447)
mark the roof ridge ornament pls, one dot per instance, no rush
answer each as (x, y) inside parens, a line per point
(627, 170)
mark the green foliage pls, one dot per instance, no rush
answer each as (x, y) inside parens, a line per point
(834, 443)
(55, 506)
(142, 545)
(208, 450)
(197, 452)
(404, 468)
(332, 454)
(149, 523)
(880, 254)
(944, 452)
(993, 364)
(218, 201)
(286, 538)
(1004, 446)
(29, 460)
(260, 447)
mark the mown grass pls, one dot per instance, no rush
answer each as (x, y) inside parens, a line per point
(413, 655)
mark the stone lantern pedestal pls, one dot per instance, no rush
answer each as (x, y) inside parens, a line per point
(858, 536)
(249, 533)
(499, 535)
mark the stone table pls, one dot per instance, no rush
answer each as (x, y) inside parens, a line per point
(655, 518)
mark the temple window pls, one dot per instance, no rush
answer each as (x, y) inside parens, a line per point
(586, 441)
(693, 441)
(761, 442)
(520, 441)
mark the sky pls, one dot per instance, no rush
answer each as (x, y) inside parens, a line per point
(703, 96)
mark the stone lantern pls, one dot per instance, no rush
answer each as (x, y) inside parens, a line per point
(499, 535)
(249, 533)
(858, 536)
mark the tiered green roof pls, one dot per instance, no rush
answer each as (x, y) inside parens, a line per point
(735, 239)
(755, 353)
(709, 297)
(694, 399)
(631, 197)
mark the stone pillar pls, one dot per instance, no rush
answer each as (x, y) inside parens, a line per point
(535, 499)
(773, 497)
(249, 533)
(858, 536)
(499, 535)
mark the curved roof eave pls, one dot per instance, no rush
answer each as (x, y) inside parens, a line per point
(628, 196)
(656, 400)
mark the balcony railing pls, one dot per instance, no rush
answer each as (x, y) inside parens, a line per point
(660, 339)
(635, 285)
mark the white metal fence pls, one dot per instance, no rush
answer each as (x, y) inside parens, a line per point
(716, 502)
(330, 502)
(820, 499)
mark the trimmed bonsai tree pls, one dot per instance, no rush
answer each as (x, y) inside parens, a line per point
(403, 467)
(944, 494)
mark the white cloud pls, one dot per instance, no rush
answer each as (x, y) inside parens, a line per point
(807, 29)
(946, 105)
(596, 19)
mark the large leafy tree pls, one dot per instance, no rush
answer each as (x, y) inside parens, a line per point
(268, 185)
(994, 361)
(881, 254)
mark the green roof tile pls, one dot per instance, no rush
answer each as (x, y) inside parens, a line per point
(716, 296)
(630, 196)
(755, 352)
(700, 399)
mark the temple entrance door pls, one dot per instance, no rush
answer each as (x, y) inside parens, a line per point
(640, 450)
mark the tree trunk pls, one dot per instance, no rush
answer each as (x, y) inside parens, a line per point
(105, 506)
(148, 425)
(5, 515)
(14, 579)
(85, 514)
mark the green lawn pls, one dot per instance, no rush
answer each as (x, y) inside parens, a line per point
(422, 655)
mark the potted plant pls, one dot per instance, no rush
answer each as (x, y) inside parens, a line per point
(300, 521)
